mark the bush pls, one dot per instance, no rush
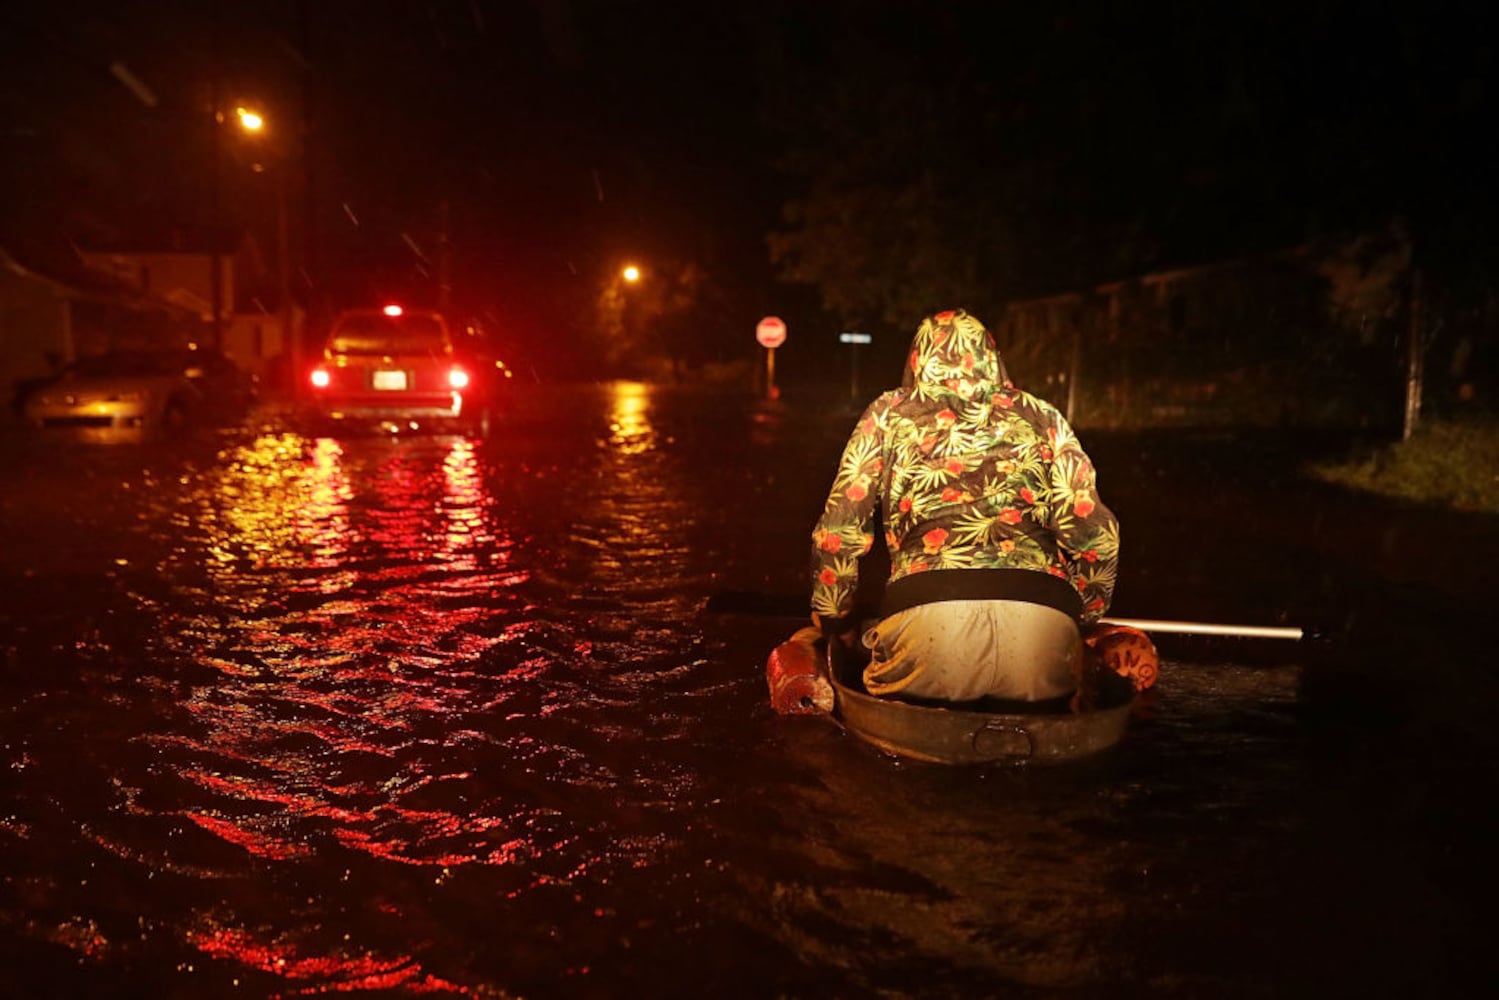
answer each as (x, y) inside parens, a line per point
(1453, 464)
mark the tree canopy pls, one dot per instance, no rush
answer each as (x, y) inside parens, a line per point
(976, 157)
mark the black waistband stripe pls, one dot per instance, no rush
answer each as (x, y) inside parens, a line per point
(1028, 585)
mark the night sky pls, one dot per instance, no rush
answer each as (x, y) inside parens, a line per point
(551, 139)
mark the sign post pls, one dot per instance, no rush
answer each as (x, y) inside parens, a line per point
(771, 333)
(854, 340)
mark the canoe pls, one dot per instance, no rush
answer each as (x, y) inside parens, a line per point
(969, 735)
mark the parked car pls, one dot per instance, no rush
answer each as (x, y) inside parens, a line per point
(408, 370)
(141, 393)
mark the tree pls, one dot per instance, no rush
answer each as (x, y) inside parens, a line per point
(947, 158)
(661, 322)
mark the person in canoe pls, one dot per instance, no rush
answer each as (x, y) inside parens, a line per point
(1001, 550)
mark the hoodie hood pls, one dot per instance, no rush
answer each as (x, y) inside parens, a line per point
(953, 355)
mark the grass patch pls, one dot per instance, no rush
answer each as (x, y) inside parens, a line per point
(1447, 464)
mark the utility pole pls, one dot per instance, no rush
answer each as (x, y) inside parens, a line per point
(215, 201)
(283, 267)
(1415, 358)
(1074, 366)
(444, 260)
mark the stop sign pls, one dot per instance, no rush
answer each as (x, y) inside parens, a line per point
(771, 332)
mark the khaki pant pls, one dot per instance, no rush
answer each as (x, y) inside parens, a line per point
(964, 650)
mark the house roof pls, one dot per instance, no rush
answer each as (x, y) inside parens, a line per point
(175, 239)
(70, 277)
(61, 266)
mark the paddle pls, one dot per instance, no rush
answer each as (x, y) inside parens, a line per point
(747, 602)
(1292, 632)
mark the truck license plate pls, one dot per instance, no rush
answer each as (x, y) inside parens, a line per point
(390, 380)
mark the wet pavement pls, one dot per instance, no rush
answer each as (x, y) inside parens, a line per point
(287, 714)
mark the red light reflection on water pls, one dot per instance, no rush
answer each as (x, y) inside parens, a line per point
(398, 568)
(507, 853)
(333, 973)
(264, 791)
(323, 519)
(384, 817)
(256, 843)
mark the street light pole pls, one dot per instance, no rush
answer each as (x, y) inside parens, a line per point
(253, 123)
(629, 310)
(283, 291)
(216, 221)
(444, 259)
(853, 339)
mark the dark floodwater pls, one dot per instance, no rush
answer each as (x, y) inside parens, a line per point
(285, 714)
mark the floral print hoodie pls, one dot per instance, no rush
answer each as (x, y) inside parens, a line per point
(969, 472)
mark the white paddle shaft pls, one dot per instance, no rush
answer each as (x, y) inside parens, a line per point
(1209, 628)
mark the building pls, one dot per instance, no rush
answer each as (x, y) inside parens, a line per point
(54, 308)
(177, 267)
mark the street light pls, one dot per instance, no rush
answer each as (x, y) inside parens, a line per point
(249, 120)
(631, 273)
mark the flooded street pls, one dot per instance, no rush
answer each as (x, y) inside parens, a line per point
(288, 714)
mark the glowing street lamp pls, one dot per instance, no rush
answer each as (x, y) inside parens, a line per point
(631, 273)
(249, 120)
